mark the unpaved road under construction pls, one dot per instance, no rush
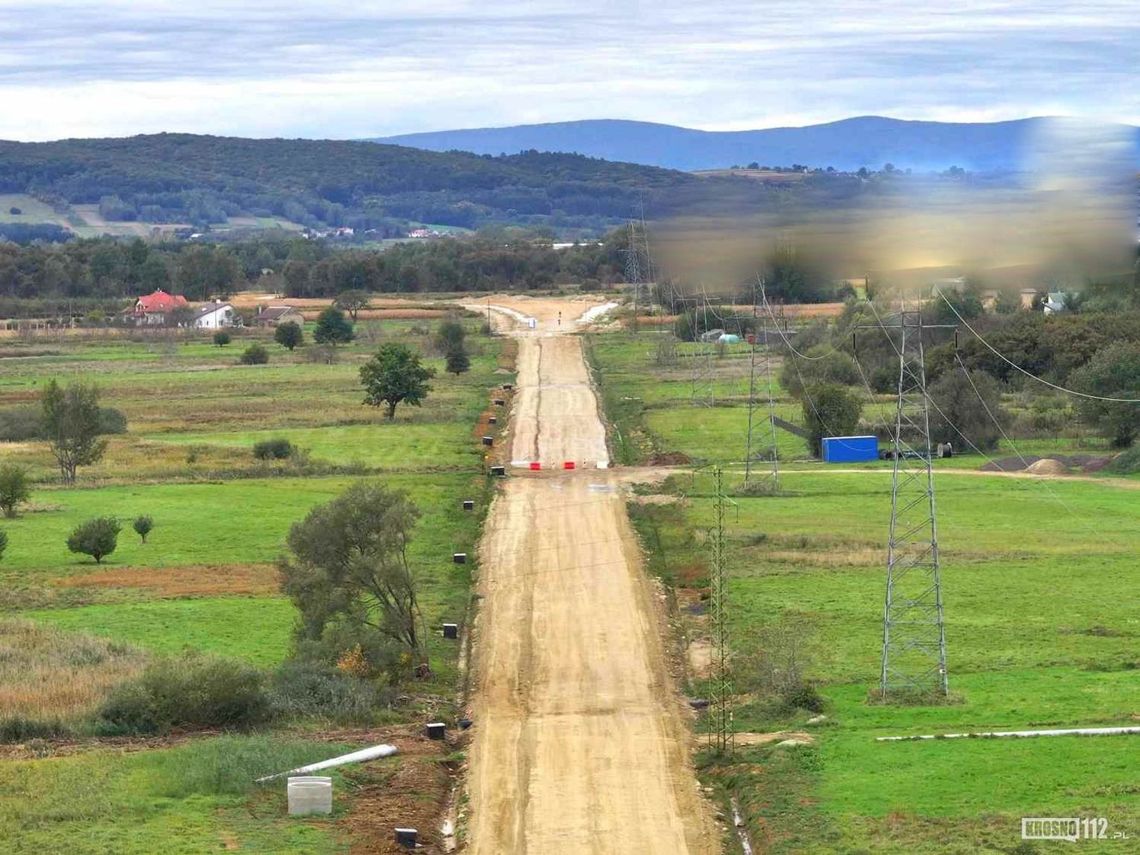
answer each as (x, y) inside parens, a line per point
(579, 744)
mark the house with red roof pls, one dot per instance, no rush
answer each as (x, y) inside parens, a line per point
(154, 309)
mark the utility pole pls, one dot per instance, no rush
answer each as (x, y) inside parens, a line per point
(914, 634)
(720, 702)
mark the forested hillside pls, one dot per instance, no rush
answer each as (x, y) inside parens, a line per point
(203, 180)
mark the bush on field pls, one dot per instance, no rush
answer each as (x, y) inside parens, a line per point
(778, 664)
(14, 488)
(112, 420)
(97, 537)
(143, 525)
(306, 688)
(21, 729)
(1127, 463)
(255, 354)
(274, 449)
(188, 692)
(20, 424)
(222, 338)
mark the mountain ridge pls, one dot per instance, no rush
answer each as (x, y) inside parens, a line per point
(845, 144)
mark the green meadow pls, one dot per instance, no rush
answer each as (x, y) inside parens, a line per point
(1042, 630)
(206, 581)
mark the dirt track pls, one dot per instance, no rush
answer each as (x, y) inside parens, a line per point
(579, 742)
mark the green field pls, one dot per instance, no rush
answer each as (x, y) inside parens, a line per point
(697, 404)
(206, 579)
(1042, 632)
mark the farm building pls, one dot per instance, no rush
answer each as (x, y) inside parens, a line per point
(154, 309)
(272, 316)
(215, 316)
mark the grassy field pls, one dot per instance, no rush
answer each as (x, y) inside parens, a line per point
(206, 580)
(696, 403)
(1042, 632)
(193, 798)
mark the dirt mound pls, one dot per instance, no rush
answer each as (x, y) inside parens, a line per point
(1010, 464)
(669, 458)
(1047, 466)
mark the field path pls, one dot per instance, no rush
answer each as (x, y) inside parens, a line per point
(579, 744)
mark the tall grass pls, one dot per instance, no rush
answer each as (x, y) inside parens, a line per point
(47, 674)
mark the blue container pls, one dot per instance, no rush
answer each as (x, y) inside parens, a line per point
(850, 449)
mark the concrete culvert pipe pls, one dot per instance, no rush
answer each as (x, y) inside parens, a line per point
(309, 795)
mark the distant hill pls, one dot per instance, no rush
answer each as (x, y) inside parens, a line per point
(206, 180)
(867, 141)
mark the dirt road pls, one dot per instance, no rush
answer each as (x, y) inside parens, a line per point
(579, 741)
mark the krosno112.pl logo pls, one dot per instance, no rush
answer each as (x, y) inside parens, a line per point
(1070, 828)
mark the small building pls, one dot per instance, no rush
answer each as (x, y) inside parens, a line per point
(272, 316)
(849, 449)
(155, 309)
(1053, 303)
(216, 316)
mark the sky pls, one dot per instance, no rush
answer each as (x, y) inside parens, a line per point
(329, 69)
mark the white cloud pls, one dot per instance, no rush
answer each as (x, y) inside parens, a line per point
(340, 69)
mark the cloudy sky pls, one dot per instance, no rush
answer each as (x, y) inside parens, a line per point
(324, 68)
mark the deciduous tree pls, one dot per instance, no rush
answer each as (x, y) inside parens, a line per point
(349, 567)
(830, 410)
(72, 426)
(394, 375)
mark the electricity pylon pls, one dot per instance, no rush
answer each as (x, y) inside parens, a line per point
(633, 271)
(752, 403)
(914, 634)
(720, 700)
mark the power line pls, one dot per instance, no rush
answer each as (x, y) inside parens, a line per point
(1013, 364)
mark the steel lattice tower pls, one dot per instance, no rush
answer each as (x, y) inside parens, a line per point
(914, 635)
(633, 271)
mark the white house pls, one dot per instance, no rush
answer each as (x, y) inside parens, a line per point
(215, 316)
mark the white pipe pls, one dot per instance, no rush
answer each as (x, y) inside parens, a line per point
(355, 757)
(1072, 731)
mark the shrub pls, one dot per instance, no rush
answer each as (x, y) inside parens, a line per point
(255, 354)
(112, 420)
(192, 691)
(830, 410)
(305, 688)
(142, 526)
(14, 488)
(3, 542)
(222, 338)
(97, 537)
(274, 449)
(21, 424)
(457, 361)
(332, 327)
(289, 335)
(21, 729)
(1127, 463)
